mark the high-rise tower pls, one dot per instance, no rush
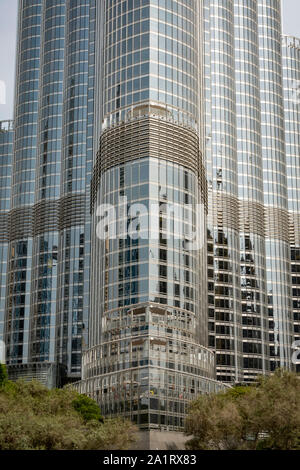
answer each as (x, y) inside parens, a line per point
(275, 183)
(291, 84)
(147, 333)
(45, 323)
(71, 322)
(114, 92)
(17, 317)
(250, 186)
(225, 316)
(250, 323)
(6, 150)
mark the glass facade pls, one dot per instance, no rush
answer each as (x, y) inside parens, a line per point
(46, 263)
(291, 84)
(73, 188)
(91, 148)
(249, 293)
(6, 150)
(131, 105)
(151, 54)
(275, 183)
(147, 353)
(20, 255)
(250, 183)
(224, 310)
(43, 296)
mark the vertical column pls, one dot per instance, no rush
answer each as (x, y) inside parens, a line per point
(250, 185)
(73, 188)
(47, 194)
(221, 151)
(291, 85)
(23, 184)
(6, 154)
(91, 145)
(208, 162)
(275, 183)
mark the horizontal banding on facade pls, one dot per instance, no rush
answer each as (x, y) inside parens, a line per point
(294, 225)
(277, 224)
(225, 211)
(149, 138)
(4, 227)
(72, 211)
(251, 219)
(21, 223)
(44, 217)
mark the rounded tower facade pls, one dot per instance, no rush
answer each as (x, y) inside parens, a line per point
(147, 352)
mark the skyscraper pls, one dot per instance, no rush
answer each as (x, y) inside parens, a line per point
(147, 353)
(250, 184)
(6, 147)
(225, 312)
(44, 326)
(71, 322)
(138, 124)
(291, 85)
(250, 322)
(275, 184)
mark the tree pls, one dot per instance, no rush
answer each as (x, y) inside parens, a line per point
(35, 418)
(265, 415)
(3, 375)
(88, 408)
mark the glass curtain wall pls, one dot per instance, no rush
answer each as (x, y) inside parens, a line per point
(275, 183)
(6, 152)
(145, 360)
(291, 84)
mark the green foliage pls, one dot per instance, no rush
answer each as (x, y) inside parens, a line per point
(237, 392)
(265, 415)
(35, 418)
(3, 374)
(88, 408)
